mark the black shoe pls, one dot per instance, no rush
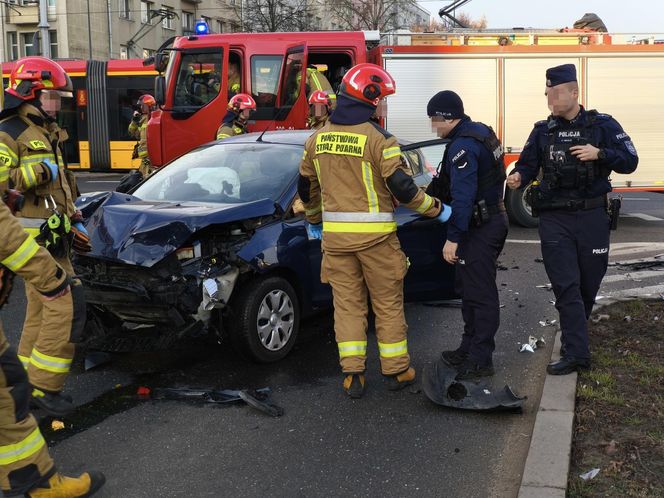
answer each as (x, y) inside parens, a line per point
(454, 358)
(567, 365)
(473, 372)
(55, 404)
(563, 351)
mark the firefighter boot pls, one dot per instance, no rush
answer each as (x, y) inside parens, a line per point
(399, 381)
(59, 486)
(55, 404)
(354, 385)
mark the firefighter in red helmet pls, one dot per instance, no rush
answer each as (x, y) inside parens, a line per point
(138, 129)
(240, 107)
(320, 106)
(350, 174)
(32, 159)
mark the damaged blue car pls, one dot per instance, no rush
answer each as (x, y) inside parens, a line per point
(216, 243)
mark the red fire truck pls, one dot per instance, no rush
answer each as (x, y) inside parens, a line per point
(500, 77)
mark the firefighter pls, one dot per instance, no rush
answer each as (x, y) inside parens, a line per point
(317, 81)
(138, 129)
(25, 465)
(320, 106)
(473, 173)
(240, 108)
(351, 176)
(30, 147)
(575, 150)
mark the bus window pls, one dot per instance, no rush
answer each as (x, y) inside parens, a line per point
(265, 71)
(198, 80)
(123, 93)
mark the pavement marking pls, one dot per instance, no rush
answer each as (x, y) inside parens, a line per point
(523, 241)
(635, 275)
(642, 216)
(653, 290)
(102, 181)
(624, 248)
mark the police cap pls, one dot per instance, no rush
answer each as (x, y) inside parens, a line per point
(446, 104)
(560, 74)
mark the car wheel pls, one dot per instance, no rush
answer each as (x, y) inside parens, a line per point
(518, 209)
(267, 319)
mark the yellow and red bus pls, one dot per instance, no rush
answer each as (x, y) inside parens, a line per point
(97, 118)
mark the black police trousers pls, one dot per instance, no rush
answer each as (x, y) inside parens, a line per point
(475, 282)
(575, 249)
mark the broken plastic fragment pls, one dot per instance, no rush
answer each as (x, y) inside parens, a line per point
(548, 323)
(57, 425)
(628, 318)
(591, 474)
(143, 391)
(545, 286)
(540, 343)
(599, 318)
(526, 347)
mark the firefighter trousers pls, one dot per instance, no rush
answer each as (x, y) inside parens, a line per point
(378, 273)
(24, 458)
(45, 348)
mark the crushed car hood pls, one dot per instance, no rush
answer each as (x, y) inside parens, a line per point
(127, 229)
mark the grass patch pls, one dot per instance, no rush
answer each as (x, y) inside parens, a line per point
(619, 422)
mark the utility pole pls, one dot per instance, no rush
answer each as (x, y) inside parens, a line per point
(43, 29)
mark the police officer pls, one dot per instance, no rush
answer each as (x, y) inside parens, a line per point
(575, 150)
(234, 123)
(350, 172)
(473, 173)
(30, 145)
(25, 465)
(320, 106)
(138, 129)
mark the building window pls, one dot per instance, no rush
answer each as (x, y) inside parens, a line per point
(220, 26)
(146, 9)
(125, 9)
(187, 22)
(148, 52)
(12, 44)
(167, 22)
(51, 3)
(123, 52)
(29, 44)
(53, 35)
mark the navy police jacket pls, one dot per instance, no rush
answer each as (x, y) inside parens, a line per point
(466, 159)
(604, 132)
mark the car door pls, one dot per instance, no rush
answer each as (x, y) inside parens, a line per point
(429, 276)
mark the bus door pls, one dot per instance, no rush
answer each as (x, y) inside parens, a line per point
(195, 101)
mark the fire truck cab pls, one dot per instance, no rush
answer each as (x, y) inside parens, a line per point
(272, 67)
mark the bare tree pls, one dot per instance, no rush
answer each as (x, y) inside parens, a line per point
(381, 15)
(480, 23)
(273, 15)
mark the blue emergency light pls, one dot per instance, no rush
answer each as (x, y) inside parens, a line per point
(202, 27)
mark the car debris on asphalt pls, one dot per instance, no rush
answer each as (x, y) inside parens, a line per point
(256, 398)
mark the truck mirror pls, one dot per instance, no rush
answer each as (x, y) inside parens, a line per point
(161, 61)
(160, 90)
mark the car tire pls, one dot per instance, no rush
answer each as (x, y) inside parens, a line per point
(518, 209)
(266, 319)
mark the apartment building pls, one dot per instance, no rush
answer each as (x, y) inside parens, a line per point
(105, 29)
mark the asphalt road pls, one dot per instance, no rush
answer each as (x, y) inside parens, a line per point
(386, 444)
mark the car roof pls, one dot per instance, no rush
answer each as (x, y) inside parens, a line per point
(286, 137)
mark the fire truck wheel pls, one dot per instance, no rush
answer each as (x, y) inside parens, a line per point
(518, 209)
(267, 319)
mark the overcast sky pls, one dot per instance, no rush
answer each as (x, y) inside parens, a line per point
(620, 16)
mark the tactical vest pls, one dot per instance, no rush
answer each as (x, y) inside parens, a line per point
(440, 185)
(562, 170)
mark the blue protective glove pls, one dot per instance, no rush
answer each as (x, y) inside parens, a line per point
(445, 213)
(79, 226)
(52, 167)
(315, 231)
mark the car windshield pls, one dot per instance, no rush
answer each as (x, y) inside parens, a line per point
(225, 173)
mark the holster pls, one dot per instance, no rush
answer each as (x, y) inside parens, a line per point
(613, 210)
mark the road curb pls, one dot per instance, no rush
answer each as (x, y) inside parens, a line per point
(547, 464)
